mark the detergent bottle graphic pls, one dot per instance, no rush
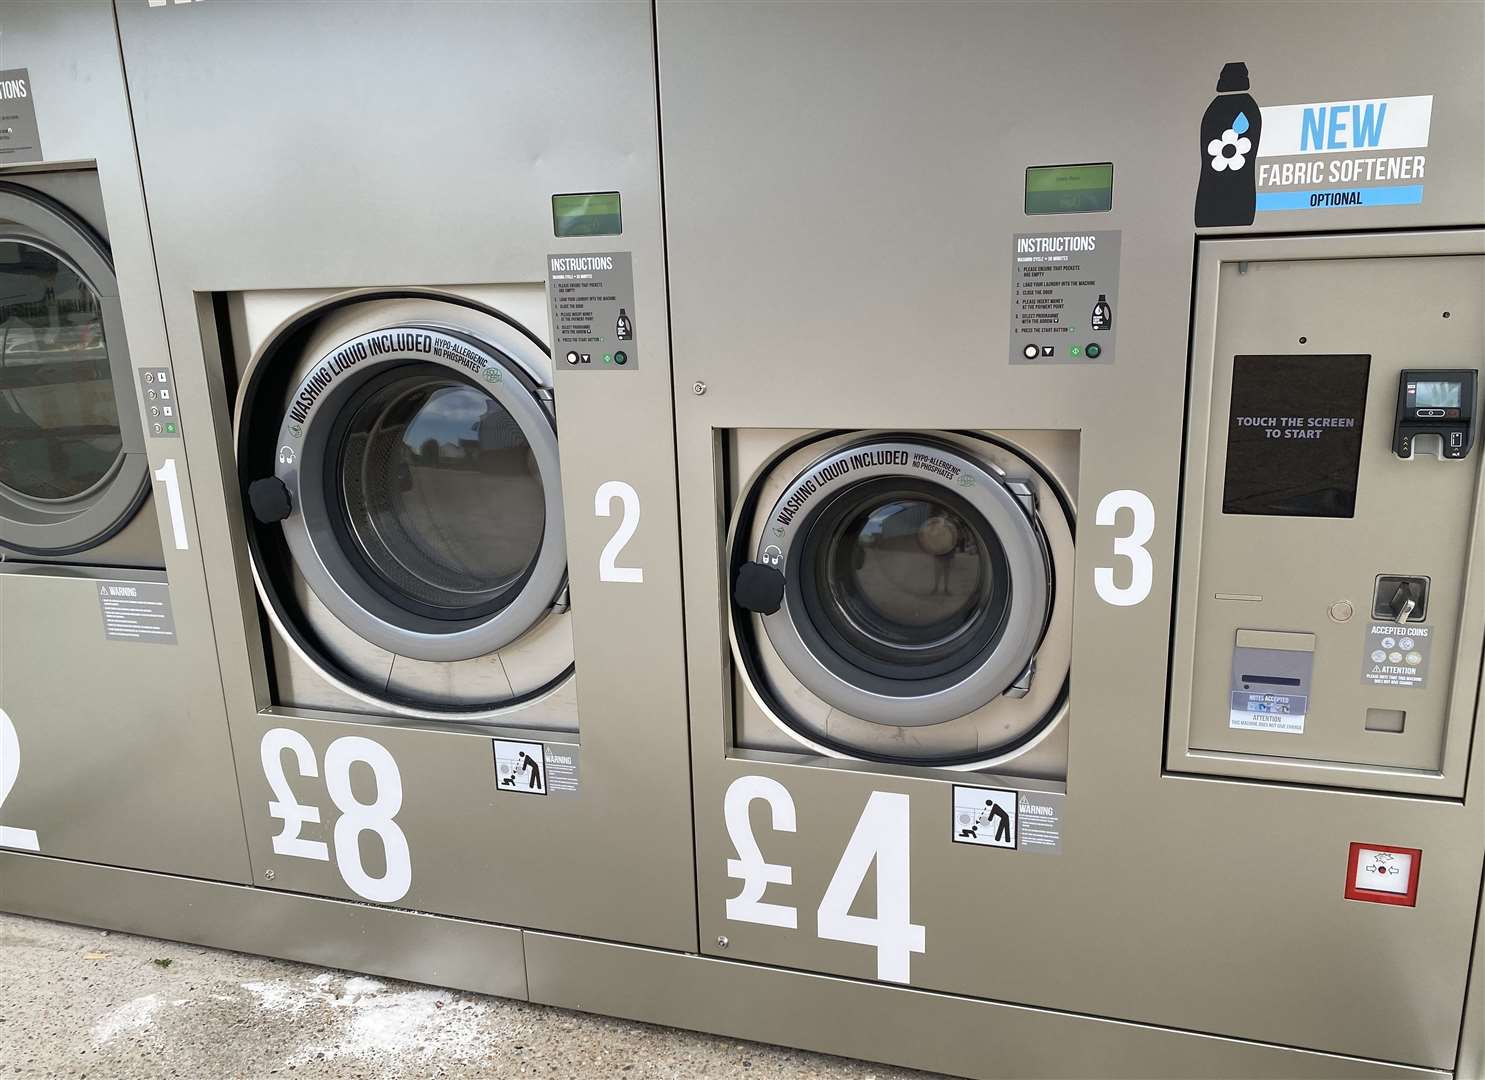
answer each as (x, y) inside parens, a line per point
(1103, 315)
(624, 329)
(1226, 194)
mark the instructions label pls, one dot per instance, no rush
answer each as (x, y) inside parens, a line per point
(1064, 297)
(20, 139)
(594, 324)
(1395, 655)
(137, 611)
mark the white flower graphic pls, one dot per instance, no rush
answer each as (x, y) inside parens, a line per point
(1230, 151)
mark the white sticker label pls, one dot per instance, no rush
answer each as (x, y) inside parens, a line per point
(985, 816)
(1257, 711)
(520, 767)
(1366, 152)
(1383, 871)
(1337, 127)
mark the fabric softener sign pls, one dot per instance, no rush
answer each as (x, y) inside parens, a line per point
(1230, 130)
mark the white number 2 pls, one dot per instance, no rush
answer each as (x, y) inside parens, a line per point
(10, 768)
(355, 818)
(881, 837)
(1131, 547)
(608, 568)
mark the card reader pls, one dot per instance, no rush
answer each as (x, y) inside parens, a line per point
(1438, 402)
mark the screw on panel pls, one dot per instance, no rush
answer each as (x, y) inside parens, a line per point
(268, 874)
(722, 942)
(698, 387)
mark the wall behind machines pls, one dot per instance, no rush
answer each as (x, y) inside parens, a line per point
(417, 148)
(844, 198)
(113, 745)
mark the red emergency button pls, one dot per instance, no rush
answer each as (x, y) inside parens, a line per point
(1380, 874)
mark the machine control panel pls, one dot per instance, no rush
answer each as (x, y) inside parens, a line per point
(1435, 403)
(161, 409)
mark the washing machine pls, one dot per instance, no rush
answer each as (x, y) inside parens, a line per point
(443, 569)
(107, 652)
(895, 595)
(398, 455)
(1057, 535)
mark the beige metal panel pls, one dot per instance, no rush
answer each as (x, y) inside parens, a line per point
(856, 289)
(117, 755)
(472, 956)
(1342, 296)
(1471, 1063)
(235, 211)
(956, 1035)
(71, 723)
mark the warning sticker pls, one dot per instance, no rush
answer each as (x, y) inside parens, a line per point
(137, 611)
(1039, 822)
(1395, 655)
(520, 767)
(984, 816)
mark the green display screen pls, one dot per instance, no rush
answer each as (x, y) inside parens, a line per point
(1069, 189)
(595, 213)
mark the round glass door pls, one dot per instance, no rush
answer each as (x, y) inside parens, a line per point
(72, 469)
(59, 423)
(423, 502)
(439, 492)
(913, 584)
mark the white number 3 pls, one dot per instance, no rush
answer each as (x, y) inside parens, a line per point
(1131, 547)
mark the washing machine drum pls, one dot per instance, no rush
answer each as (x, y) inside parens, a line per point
(903, 582)
(416, 483)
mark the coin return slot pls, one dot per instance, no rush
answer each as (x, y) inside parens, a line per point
(1390, 720)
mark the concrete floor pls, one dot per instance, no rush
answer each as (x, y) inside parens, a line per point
(76, 1002)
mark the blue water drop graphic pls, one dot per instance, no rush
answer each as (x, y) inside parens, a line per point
(1240, 125)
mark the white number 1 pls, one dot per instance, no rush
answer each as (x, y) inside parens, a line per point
(166, 475)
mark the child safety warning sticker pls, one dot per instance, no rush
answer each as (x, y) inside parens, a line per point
(533, 768)
(1064, 297)
(1006, 818)
(1395, 655)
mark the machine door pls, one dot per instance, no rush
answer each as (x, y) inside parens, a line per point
(416, 479)
(902, 582)
(72, 462)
